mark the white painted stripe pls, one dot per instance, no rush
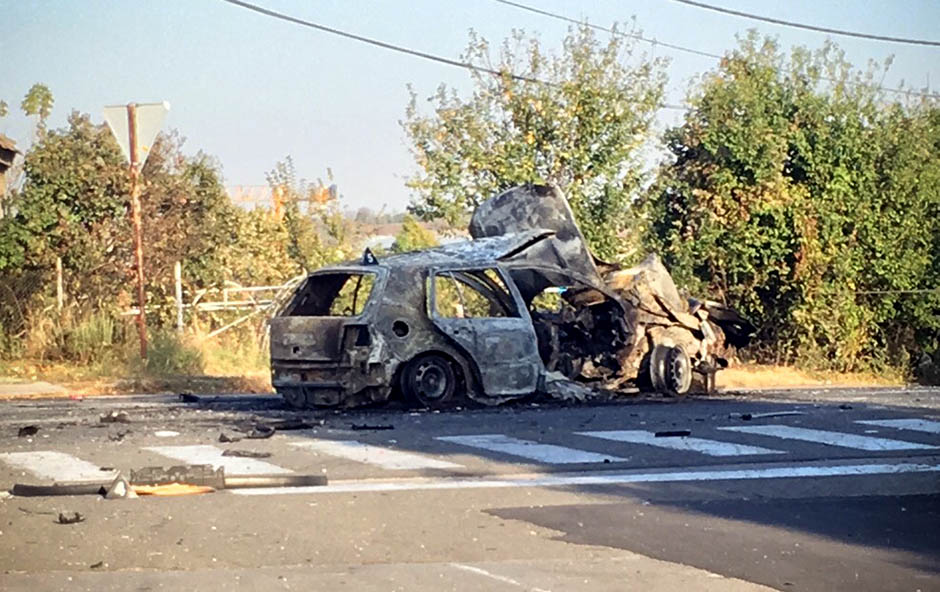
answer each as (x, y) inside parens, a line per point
(829, 438)
(58, 466)
(790, 472)
(482, 572)
(709, 447)
(210, 455)
(376, 455)
(917, 425)
(546, 453)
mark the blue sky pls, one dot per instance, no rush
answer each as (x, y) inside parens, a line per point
(250, 90)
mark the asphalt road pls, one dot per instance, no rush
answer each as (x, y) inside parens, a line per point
(789, 490)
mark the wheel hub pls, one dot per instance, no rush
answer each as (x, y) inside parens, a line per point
(430, 380)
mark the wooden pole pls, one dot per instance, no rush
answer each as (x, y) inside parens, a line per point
(178, 281)
(135, 219)
(59, 290)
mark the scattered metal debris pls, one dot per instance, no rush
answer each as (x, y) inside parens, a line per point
(223, 437)
(166, 434)
(96, 565)
(292, 424)
(559, 387)
(476, 319)
(118, 436)
(114, 417)
(769, 414)
(673, 433)
(73, 518)
(246, 453)
(260, 432)
(358, 427)
(26, 431)
(120, 489)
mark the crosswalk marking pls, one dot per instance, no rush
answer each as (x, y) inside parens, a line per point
(376, 455)
(202, 454)
(58, 466)
(546, 453)
(917, 425)
(709, 447)
(829, 438)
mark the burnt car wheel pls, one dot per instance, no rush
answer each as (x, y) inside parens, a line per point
(670, 370)
(430, 381)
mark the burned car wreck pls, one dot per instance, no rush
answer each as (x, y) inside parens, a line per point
(520, 307)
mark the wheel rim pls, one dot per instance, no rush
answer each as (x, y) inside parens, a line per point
(678, 371)
(430, 380)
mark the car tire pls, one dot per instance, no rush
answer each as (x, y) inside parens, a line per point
(670, 370)
(430, 381)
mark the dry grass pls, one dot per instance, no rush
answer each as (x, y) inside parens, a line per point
(230, 363)
(756, 376)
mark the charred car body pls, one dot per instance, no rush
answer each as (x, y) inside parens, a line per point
(522, 304)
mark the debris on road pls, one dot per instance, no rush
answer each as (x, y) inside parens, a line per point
(172, 489)
(560, 387)
(26, 431)
(190, 398)
(358, 427)
(114, 417)
(260, 432)
(769, 414)
(166, 434)
(673, 434)
(246, 453)
(73, 518)
(175, 480)
(223, 437)
(96, 565)
(118, 436)
(120, 489)
(292, 424)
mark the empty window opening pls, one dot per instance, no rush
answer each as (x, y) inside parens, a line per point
(468, 294)
(333, 295)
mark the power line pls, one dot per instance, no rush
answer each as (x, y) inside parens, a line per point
(399, 48)
(562, 17)
(608, 30)
(376, 42)
(809, 27)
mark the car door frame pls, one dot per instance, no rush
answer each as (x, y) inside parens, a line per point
(507, 365)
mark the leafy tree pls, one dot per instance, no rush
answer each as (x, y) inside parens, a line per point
(577, 120)
(38, 101)
(4, 109)
(316, 229)
(413, 236)
(73, 206)
(799, 194)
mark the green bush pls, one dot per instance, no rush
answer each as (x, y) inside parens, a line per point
(168, 354)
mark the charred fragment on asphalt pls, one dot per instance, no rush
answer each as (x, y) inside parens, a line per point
(521, 306)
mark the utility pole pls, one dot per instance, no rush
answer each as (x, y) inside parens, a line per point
(135, 220)
(135, 126)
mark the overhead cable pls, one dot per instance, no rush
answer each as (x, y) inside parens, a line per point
(784, 23)
(608, 30)
(399, 48)
(562, 17)
(375, 42)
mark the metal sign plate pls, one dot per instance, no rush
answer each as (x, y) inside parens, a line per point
(149, 121)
